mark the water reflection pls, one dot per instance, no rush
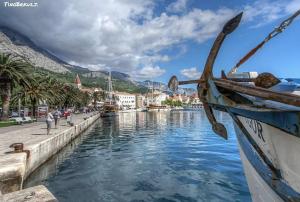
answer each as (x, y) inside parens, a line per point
(154, 156)
(52, 165)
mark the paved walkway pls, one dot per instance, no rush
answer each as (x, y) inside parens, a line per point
(32, 133)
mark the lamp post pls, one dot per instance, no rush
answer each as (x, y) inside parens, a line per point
(19, 104)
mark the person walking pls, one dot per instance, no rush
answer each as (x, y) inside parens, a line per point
(56, 116)
(85, 113)
(49, 122)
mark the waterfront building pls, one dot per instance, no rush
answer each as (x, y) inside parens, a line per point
(176, 97)
(182, 98)
(185, 99)
(156, 98)
(195, 101)
(140, 101)
(125, 100)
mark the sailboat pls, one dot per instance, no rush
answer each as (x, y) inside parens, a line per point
(266, 120)
(152, 106)
(110, 107)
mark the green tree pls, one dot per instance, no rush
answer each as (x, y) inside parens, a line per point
(40, 88)
(72, 96)
(85, 98)
(96, 98)
(13, 71)
(172, 103)
(37, 91)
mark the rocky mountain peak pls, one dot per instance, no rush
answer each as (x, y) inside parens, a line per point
(17, 44)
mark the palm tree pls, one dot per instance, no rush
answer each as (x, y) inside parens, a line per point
(13, 71)
(96, 97)
(72, 96)
(85, 99)
(40, 88)
(55, 90)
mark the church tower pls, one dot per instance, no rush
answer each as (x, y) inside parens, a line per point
(78, 82)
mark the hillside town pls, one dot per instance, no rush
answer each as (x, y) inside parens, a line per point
(154, 97)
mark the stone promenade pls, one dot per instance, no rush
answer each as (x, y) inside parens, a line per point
(32, 133)
(15, 167)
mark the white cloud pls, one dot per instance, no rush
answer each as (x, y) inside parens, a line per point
(177, 6)
(292, 6)
(191, 73)
(122, 35)
(149, 72)
(265, 11)
(125, 35)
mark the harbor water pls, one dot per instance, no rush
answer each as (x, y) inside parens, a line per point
(148, 156)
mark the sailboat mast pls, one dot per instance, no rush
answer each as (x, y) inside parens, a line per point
(152, 92)
(110, 87)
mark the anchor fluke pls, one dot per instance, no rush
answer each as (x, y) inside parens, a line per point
(232, 24)
(220, 129)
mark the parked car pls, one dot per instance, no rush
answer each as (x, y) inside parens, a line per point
(14, 114)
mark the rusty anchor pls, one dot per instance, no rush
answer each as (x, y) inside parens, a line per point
(208, 86)
(207, 76)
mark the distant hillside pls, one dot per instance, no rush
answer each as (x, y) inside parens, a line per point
(20, 45)
(17, 44)
(153, 84)
(104, 74)
(164, 87)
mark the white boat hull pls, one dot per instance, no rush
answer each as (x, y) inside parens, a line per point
(282, 150)
(259, 189)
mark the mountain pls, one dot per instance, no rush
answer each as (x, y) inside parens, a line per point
(104, 74)
(153, 84)
(13, 42)
(164, 87)
(16, 43)
(19, 45)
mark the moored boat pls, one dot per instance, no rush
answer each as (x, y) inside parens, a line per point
(110, 107)
(109, 110)
(144, 109)
(157, 108)
(266, 120)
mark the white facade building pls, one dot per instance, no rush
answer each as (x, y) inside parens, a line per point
(140, 101)
(125, 100)
(156, 98)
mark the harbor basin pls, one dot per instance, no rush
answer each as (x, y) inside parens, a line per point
(148, 156)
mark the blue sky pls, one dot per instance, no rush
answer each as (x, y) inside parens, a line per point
(153, 39)
(279, 56)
